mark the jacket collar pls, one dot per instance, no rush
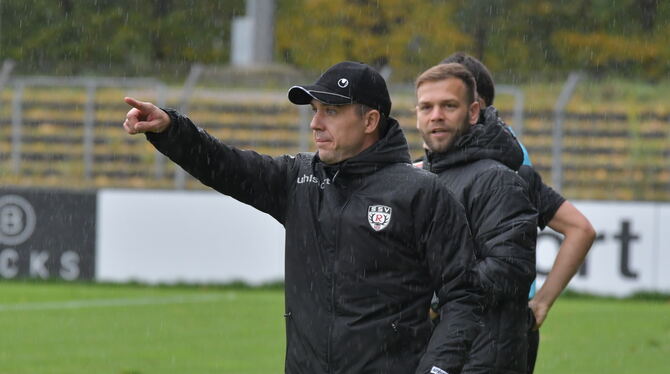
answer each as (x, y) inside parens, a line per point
(391, 148)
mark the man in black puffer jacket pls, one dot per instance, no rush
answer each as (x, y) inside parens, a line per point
(477, 162)
(553, 210)
(369, 238)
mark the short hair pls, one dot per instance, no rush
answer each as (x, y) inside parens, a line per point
(363, 109)
(485, 85)
(382, 125)
(445, 71)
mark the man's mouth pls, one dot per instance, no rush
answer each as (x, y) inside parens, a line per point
(321, 142)
(440, 131)
(320, 138)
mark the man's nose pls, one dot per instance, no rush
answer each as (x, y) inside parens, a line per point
(315, 124)
(436, 114)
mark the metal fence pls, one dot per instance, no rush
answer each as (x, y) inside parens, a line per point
(66, 131)
(91, 86)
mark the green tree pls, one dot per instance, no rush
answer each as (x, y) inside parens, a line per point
(513, 37)
(133, 36)
(621, 38)
(315, 34)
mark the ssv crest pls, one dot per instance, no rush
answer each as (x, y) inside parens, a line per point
(379, 216)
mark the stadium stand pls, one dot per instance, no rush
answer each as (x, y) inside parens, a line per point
(610, 156)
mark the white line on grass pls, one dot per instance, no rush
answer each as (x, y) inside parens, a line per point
(96, 303)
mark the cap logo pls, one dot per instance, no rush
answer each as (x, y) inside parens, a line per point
(379, 216)
(343, 82)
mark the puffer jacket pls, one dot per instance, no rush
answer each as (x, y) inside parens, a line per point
(367, 243)
(479, 169)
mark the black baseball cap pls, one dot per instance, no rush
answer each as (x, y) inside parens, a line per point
(346, 83)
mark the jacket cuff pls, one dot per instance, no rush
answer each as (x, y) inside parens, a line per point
(171, 132)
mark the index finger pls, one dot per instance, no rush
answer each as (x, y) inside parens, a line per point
(141, 105)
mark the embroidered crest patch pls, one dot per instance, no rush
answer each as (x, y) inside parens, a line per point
(379, 216)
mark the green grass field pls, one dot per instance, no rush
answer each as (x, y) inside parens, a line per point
(128, 329)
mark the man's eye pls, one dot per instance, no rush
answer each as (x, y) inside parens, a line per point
(424, 108)
(331, 111)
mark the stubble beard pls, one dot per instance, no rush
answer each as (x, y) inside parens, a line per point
(448, 145)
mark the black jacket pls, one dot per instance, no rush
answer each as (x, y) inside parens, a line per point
(367, 243)
(479, 169)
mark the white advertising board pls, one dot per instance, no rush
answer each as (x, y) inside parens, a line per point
(662, 268)
(629, 254)
(206, 237)
(194, 237)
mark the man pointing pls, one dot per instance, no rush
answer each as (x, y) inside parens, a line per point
(369, 238)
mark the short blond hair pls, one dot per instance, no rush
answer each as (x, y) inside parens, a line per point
(452, 70)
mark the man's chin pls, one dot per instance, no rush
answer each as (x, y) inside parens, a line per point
(439, 147)
(327, 158)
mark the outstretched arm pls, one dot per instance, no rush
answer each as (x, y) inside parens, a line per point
(258, 180)
(579, 236)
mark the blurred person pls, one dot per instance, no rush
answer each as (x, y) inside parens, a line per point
(369, 238)
(553, 211)
(477, 163)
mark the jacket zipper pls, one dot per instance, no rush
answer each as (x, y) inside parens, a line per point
(332, 289)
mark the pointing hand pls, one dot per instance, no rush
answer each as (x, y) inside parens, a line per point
(144, 117)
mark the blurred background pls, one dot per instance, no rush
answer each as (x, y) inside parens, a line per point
(584, 83)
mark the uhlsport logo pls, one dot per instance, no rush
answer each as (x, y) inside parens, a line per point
(379, 216)
(343, 82)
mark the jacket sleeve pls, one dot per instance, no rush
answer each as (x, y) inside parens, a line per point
(450, 255)
(258, 180)
(504, 223)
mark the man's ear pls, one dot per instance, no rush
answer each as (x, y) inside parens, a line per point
(473, 112)
(372, 121)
